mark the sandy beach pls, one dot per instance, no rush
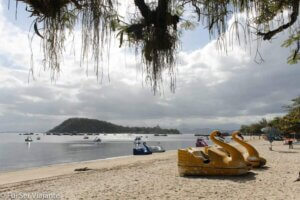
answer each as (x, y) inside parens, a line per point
(156, 177)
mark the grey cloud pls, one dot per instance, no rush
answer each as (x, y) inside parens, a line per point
(213, 90)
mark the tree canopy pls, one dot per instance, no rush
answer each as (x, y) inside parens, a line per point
(154, 30)
(289, 123)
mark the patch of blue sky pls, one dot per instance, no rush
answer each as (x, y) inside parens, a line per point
(194, 39)
(8, 62)
(17, 15)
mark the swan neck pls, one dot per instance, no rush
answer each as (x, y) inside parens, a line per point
(251, 150)
(234, 153)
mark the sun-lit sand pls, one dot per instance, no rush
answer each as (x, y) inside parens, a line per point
(156, 177)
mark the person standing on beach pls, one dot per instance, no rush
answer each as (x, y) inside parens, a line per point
(290, 144)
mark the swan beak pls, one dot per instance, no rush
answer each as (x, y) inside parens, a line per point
(240, 135)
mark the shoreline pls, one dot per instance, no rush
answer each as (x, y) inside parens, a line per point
(62, 164)
(156, 176)
(47, 171)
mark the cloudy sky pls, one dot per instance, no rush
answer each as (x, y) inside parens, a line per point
(214, 89)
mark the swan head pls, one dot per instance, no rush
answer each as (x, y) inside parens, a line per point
(240, 135)
(217, 134)
(220, 135)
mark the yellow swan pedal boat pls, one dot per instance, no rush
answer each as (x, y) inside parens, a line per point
(251, 155)
(211, 161)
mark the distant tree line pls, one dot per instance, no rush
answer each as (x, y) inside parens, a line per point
(289, 123)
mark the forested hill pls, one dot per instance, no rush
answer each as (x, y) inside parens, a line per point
(84, 125)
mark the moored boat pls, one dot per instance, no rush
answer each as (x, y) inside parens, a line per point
(28, 139)
(211, 161)
(97, 139)
(142, 150)
(85, 137)
(157, 149)
(201, 143)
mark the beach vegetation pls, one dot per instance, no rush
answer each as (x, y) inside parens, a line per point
(84, 125)
(287, 124)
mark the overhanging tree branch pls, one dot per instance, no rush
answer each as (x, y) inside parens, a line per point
(295, 12)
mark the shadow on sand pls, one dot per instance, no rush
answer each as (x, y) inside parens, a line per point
(287, 151)
(250, 176)
(261, 168)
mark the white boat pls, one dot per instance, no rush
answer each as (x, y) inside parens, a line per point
(85, 137)
(28, 139)
(157, 149)
(97, 139)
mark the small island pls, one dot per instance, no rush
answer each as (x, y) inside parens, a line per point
(90, 126)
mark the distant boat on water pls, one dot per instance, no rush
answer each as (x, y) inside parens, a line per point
(28, 139)
(85, 137)
(141, 150)
(28, 134)
(97, 139)
(164, 134)
(201, 142)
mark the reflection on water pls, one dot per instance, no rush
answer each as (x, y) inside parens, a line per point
(28, 145)
(15, 153)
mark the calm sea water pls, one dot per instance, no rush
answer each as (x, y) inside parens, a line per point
(15, 153)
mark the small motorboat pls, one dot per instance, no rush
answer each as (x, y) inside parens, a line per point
(144, 150)
(201, 143)
(85, 137)
(28, 139)
(97, 139)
